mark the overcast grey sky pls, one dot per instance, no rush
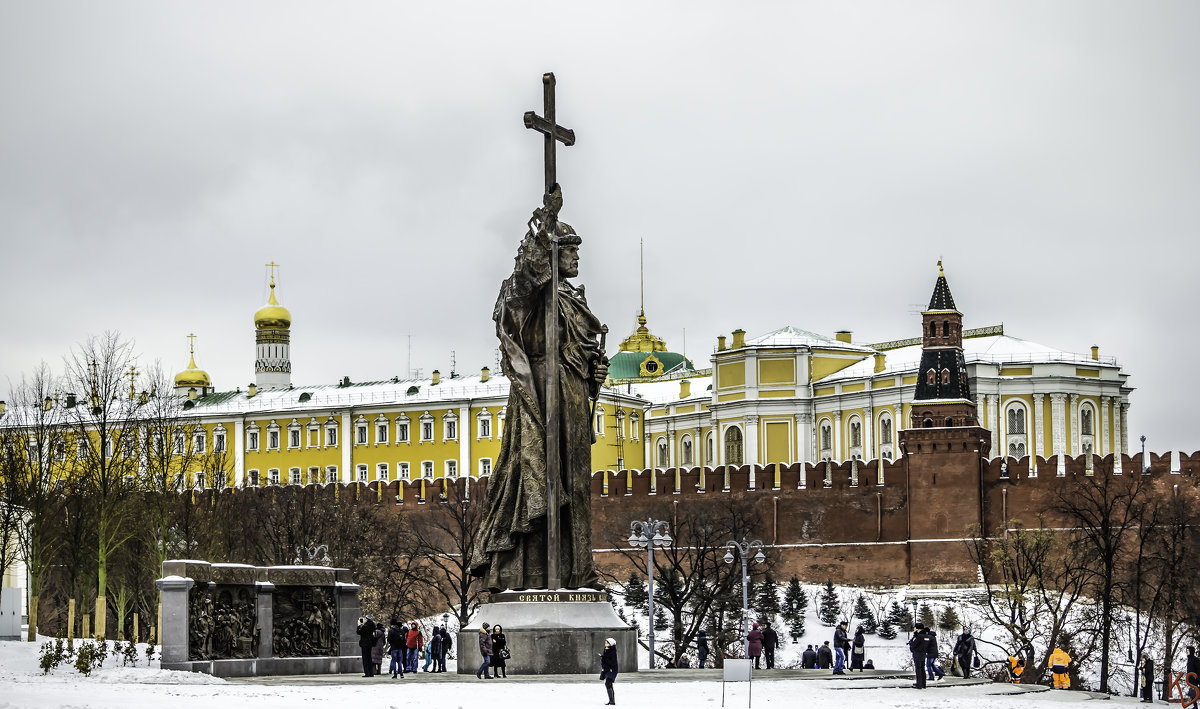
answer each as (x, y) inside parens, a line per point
(787, 163)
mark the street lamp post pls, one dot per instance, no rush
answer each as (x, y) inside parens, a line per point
(647, 535)
(744, 548)
(795, 630)
(1144, 466)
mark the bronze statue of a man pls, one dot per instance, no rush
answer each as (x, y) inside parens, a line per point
(510, 548)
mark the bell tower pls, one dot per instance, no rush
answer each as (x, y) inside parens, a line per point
(943, 395)
(272, 342)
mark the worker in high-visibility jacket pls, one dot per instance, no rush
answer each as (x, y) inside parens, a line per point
(1059, 659)
(1016, 665)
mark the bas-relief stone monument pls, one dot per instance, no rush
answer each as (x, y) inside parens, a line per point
(234, 620)
(533, 550)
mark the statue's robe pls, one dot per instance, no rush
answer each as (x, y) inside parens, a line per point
(510, 548)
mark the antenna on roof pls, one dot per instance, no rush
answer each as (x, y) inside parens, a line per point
(452, 364)
(642, 275)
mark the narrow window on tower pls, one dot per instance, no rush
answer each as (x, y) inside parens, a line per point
(931, 377)
(945, 376)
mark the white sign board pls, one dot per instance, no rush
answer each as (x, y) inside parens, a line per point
(737, 670)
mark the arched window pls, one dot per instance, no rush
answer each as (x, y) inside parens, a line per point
(708, 449)
(945, 328)
(826, 439)
(949, 422)
(1017, 446)
(885, 436)
(945, 376)
(733, 446)
(1085, 420)
(854, 426)
(932, 329)
(931, 377)
(927, 423)
(663, 453)
(685, 451)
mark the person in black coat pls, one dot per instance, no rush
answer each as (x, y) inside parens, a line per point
(859, 650)
(1147, 680)
(808, 659)
(918, 645)
(770, 642)
(395, 639)
(447, 643)
(964, 651)
(608, 668)
(824, 656)
(702, 646)
(366, 642)
(499, 642)
(1191, 677)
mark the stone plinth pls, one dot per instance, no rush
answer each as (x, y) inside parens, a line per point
(550, 632)
(255, 621)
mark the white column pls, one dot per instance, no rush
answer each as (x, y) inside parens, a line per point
(672, 458)
(239, 452)
(466, 433)
(1039, 438)
(837, 435)
(995, 424)
(868, 433)
(1118, 445)
(803, 442)
(1058, 429)
(1105, 443)
(1075, 439)
(750, 444)
(699, 449)
(347, 473)
(718, 444)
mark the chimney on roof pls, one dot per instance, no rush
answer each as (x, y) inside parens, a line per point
(251, 390)
(1096, 352)
(437, 377)
(880, 359)
(484, 374)
(685, 389)
(47, 404)
(720, 342)
(842, 336)
(192, 394)
(739, 338)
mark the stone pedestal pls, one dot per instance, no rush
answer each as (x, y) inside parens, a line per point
(278, 620)
(550, 632)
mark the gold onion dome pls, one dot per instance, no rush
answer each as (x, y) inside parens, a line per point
(272, 315)
(193, 376)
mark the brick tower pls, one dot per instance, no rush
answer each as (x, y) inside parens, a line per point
(943, 450)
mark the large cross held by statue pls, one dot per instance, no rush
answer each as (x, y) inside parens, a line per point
(552, 132)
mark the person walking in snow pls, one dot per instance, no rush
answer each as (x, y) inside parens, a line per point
(808, 659)
(377, 651)
(1059, 660)
(918, 645)
(1192, 677)
(1147, 680)
(413, 642)
(485, 651)
(931, 660)
(447, 643)
(499, 652)
(858, 650)
(770, 642)
(608, 668)
(964, 651)
(366, 641)
(755, 638)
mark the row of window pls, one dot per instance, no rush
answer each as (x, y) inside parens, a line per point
(129, 446)
(315, 474)
(362, 432)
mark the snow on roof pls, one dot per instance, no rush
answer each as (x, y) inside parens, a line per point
(789, 336)
(994, 349)
(667, 391)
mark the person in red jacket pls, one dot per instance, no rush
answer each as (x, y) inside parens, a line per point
(412, 641)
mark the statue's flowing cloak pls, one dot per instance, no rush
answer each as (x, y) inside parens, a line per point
(510, 548)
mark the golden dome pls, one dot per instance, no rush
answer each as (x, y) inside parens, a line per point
(193, 376)
(272, 315)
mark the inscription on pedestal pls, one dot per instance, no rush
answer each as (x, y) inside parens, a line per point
(550, 597)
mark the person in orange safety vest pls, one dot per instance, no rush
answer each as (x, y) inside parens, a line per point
(1059, 659)
(1016, 666)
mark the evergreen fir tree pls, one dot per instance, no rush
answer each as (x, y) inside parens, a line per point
(829, 606)
(925, 615)
(795, 601)
(635, 593)
(949, 619)
(863, 612)
(660, 619)
(886, 630)
(900, 617)
(767, 602)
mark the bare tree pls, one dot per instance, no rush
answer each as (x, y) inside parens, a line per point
(445, 539)
(1103, 510)
(34, 450)
(107, 433)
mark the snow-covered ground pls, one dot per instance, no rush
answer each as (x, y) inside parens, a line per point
(22, 685)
